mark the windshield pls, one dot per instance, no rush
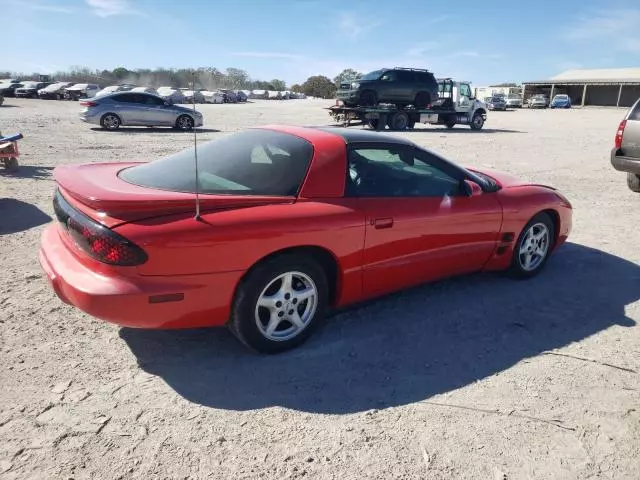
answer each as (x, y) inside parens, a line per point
(375, 75)
(514, 96)
(561, 97)
(253, 162)
(30, 85)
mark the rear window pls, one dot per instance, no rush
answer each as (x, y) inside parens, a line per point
(635, 111)
(254, 162)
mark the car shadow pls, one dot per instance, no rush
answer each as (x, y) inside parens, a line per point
(28, 171)
(155, 130)
(6, 105)
(18, 216)
(403, 348)
(460, 129)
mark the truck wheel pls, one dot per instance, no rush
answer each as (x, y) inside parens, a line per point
(373, 123)
(450, 122)
(399, 121)
(477, 121)
(633, 182)
(422, 100)
(368, 98)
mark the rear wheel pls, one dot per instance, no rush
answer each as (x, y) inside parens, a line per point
(450, 122)
(184, 122)
(280, 303)
(110, 121)
(533, 247)
(633, 182)
(399, 121)
(11, 164)
(368, 98)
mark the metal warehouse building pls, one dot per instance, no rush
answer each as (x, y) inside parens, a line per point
(618, 87)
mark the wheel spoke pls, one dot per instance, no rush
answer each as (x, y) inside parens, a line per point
(540, 235)
(274, 321)
(296, 320)
(527, 261)
(268, 302)
(524, 248)
(541, 251)
(305, 294)
(287, 283)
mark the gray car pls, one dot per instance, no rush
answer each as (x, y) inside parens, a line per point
(112, 110)
(496, 103)
(625, 155)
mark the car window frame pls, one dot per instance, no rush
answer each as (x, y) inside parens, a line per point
(422, 155)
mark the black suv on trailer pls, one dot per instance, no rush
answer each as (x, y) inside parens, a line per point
(400, 86)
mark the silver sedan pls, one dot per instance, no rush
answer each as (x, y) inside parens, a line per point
(137, 109)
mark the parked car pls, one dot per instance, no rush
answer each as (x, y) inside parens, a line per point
(213, 96)
(54, 91)
(30, 89)
(625, 155)
(400, 86)
(113, 110)
(561, 101)
(496, 103)
(9, 89)
(124, 87)
(514, 101)
(241, 95)
(538, 101)
(294, 221)
(171, 95)
(190, 95)
(229, 95)
(81, 90)
(144, 90)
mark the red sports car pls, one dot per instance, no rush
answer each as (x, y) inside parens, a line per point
(294, 221)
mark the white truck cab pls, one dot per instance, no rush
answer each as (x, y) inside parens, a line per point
(457, 96)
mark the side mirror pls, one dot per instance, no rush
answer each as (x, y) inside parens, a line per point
(470, 189)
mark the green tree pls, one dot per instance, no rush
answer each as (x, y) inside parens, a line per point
(297, 88)
(120, 72)
(319, 86)
(278, 85)
(347, 75)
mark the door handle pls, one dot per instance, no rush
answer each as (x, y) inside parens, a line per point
(383, 222)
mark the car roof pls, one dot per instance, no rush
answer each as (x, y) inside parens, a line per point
(364, 136)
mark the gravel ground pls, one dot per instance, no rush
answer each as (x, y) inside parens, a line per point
(472, 378)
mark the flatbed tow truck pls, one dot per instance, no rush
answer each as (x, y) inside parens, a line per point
(454, 106)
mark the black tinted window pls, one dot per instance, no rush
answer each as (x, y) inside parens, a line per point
(398, 172)
(126, 98)
(405, 76)
(254, 162)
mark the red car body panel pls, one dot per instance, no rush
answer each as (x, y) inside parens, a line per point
(378, 245)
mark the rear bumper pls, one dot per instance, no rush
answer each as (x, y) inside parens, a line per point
(625, 164)
(130, 299)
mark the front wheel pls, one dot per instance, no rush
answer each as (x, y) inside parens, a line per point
(477, 121)
(184, 122)
(633, 182)
(110, 121)
(533, 247)
(279, 304)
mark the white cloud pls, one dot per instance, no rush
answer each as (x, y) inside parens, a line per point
(354, 26)
(619, 27)
(109, 8)
(42, 7)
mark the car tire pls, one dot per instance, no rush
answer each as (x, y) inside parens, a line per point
(422, 100)
(368, 98)
(477, 121)
(264, 305)
(533, 248)
(184, 122)
(110, 121)
(451, 121)
(633, 182)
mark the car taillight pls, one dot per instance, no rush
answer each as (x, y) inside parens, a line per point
(88, 103)
(619, 133)
(100, 242)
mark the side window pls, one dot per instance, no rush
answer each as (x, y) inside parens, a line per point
(635, 114)
(405, 76)
(125, 97)
(398, 172)
(389, 77)
(151, 100)
(465, 90)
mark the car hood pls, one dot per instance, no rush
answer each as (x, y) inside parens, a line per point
(504, 179)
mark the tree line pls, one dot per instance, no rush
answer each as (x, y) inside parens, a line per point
(205, 77)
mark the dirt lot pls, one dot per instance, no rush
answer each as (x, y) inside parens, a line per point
(474, 378)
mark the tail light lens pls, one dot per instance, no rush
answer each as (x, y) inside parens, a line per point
(88, 103)
(620, 133)
(98, 241)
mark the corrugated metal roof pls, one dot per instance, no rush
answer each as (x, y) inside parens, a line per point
(609, 74)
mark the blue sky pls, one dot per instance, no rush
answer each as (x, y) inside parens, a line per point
(484, 42)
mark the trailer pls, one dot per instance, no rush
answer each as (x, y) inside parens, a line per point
(455, 106)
